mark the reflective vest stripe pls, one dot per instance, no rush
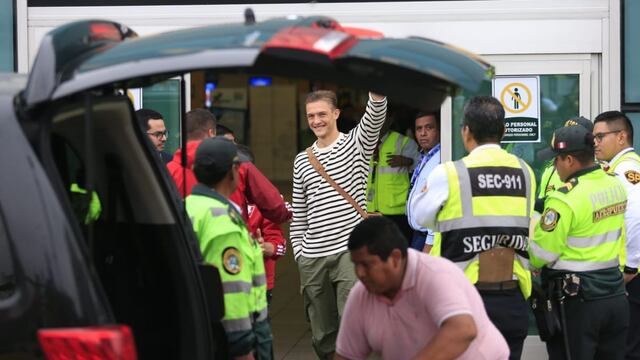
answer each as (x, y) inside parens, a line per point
(218, 211)
(585, 242)
(259, 280)
(483, 221)
(465, 193)
(243, 324)
(383, 169)
(527, 181)
(391, 170)
(570, 265)
(541, 253)
(233, 287)
(466, 197)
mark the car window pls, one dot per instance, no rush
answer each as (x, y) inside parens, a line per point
(72, 169)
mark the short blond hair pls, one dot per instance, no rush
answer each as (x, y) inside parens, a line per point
(323, 95)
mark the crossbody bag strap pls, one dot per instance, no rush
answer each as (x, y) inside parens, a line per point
(320, 169)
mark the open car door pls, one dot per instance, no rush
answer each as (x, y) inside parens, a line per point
(85, 134)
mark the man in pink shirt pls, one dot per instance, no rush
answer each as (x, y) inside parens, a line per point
(409, 305)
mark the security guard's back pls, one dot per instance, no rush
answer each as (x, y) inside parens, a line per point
(480, 207)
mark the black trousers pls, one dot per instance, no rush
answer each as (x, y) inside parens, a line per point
(403, 224)
(633, 335)
(596, 329)
(509, 312)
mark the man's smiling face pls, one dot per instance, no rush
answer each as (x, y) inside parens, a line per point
(322, 118)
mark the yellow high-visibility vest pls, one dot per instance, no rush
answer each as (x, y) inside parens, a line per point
(491, 198)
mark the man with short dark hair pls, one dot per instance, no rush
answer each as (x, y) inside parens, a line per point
(409, 305)
(252, 187)
(152, 123)
(322, 217)
(200, 124)
(480, 207)
(226, 243)
(427, 132)
(576, 244)
(613, 133)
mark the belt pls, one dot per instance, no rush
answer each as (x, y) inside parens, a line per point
(497, 286)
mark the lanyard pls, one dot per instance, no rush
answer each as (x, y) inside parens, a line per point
(425, 159)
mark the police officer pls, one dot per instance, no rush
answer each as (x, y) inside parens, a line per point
(225, 242)
(550, 180)
(576, 243)
(613, 133)
(481, 207)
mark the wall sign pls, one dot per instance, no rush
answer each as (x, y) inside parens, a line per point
(520, 97)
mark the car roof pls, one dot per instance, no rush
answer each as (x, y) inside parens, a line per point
(303, 46)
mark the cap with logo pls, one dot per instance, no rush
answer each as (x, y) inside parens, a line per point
(216, 154)
(582, 121)
(568, 139)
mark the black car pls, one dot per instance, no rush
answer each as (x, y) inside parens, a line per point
(129, 282)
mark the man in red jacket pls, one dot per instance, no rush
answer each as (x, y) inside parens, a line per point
(273, 247)
(201, 124)
(252, 187)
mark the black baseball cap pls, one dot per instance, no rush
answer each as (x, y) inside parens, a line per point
(216, 154)
(567, 139)
(582, 121)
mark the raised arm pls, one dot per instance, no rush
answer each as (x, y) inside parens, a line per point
(368, 130)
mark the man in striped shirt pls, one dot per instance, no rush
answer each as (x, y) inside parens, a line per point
(322, 218)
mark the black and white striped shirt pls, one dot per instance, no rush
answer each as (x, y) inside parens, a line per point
(322, 218)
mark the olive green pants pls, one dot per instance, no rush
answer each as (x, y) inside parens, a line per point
(325, 283)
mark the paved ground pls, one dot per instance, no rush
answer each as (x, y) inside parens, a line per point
(292, 336)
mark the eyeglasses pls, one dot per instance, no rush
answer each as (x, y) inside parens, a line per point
(159, 134)
(601, 135)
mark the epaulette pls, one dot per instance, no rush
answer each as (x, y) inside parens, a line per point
(235, 217)
(568, 186)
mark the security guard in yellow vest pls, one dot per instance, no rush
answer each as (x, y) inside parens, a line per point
(225, 242)
(577, 244)
(550, 180)
(613, 133)
(481, 207)
(388, 181)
